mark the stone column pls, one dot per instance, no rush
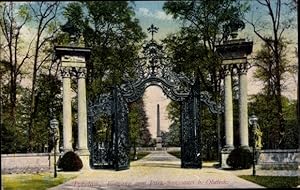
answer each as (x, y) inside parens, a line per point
(82, 113)
(243, 106)
(158, 138)
(67, 109)
(228, 109)
(82, 118)
(158, 121)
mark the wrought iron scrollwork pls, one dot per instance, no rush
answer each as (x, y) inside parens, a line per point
(190, 130)
(102, 105)
(153, 68)
(100, 151)
(213, 107)
(120, 132)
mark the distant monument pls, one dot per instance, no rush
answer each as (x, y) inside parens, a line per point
(158, 138)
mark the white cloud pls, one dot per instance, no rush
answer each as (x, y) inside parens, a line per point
(156, 14)
(144, 11)
(162, 15)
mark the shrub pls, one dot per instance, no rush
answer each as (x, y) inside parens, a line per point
(70, 162)
(240, 158)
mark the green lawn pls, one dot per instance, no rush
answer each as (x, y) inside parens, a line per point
(139, 155)
(34, 181)
(274, 181)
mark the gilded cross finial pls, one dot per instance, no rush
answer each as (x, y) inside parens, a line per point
(152, 29)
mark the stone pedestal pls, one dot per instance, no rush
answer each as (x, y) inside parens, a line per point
(224, 156)
(158, 143)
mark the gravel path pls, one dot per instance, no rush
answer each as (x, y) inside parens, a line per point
(158, 170)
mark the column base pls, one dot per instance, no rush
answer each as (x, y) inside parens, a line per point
(84, 155)
(226, 150)
(245, 147)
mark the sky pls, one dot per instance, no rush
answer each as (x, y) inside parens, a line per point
(151, 12)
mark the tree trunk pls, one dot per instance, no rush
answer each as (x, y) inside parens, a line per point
(33, 91)
(134, 151)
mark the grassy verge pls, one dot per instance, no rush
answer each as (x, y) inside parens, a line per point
(139, 155)
(274, 181)
(175, 153)
(34, 181)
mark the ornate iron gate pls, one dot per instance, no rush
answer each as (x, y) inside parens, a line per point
(113, 150)
(190, 130)
(120, 132)
(153, 68)
(100, 148)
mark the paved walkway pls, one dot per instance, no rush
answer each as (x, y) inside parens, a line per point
(158, 170)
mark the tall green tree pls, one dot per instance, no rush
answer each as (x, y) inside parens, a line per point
(21, 53)
(272, 35)
(15, 55)
(44, 16)
(172, 137)
(138, 125)
(205, 24)
(110, 29)
(12, 22)
(268, 73)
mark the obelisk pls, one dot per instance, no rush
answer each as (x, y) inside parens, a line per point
(158, 137)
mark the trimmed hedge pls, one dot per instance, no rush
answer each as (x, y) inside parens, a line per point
(70, 162)
(240, 158)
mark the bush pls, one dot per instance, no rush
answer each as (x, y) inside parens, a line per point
(240, 158)
(70, 162)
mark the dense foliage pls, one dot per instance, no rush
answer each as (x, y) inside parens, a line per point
(70, 161)
(138, 125)
(240, 158)
(114, 35)
(264, 108)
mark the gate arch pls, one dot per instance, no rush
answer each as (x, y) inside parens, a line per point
(152, 68)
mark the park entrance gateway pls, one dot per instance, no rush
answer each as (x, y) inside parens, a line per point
(109, 147)
(152, 68)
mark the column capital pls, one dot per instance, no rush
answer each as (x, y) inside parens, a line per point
(227, 69)
(81, 72)
(242, 68)
(66, 72)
